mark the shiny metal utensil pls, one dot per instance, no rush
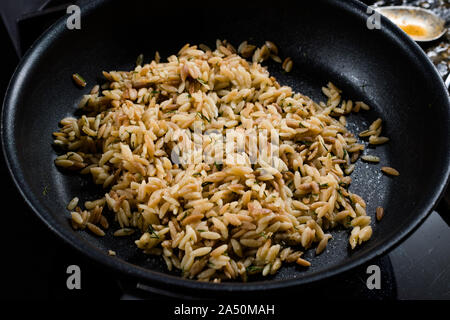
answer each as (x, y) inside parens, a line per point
(420, 24)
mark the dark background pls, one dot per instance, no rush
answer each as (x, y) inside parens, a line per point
(34, 260)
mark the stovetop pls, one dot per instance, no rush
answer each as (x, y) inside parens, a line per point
(35, 260)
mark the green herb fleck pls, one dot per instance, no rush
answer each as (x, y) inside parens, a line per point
(202, 116)
(351, 201)
(219, 166)
(348, 223)
(152, 232)
(324, 185)
(45, 191)
(253, 269)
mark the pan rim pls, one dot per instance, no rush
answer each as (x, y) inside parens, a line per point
(354, 7)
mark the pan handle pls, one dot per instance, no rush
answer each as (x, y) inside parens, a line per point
(443, 207)
(135, 290)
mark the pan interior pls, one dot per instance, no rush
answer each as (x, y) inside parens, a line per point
(325, 42)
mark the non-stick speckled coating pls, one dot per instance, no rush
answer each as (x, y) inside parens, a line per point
(327, 40)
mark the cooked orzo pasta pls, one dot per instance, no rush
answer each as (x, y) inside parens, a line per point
(215, 220)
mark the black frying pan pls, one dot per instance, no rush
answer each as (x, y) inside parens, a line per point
(327, 40)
